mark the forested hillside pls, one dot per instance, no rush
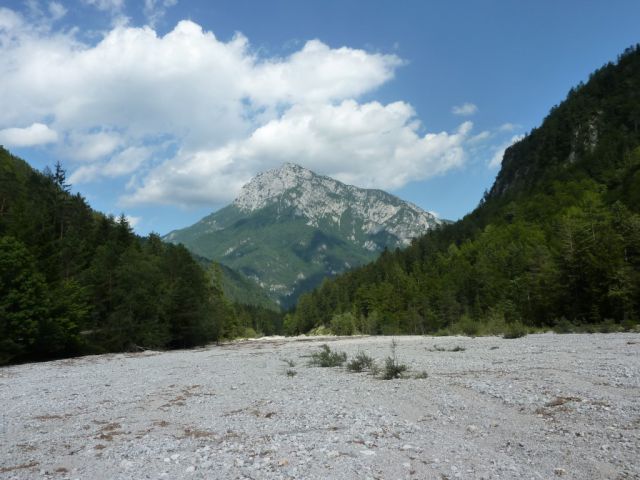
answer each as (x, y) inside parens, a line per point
(74, 281)
(554, 243)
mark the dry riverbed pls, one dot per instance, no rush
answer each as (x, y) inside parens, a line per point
(543, 406)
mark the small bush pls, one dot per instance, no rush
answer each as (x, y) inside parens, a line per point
(514, 330)
(392, 368)
(289, 362)
(249, 333)
(466, 326)
(562, 325)
(321, 330)
(327, 358)
(291, 373)
(360, 363)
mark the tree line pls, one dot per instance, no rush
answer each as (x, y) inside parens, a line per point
(74, 281)
(554, 244)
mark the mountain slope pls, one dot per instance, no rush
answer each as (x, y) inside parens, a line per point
(74, 281)
(555, 242)
(291, 228)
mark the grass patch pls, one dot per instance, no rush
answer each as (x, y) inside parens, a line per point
(327, 358)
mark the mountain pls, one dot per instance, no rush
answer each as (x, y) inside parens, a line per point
(554, 243)
(290, 228)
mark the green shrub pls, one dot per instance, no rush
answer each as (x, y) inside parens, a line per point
(343, 324)
(466, 326)
(392, 368)
(515, 330)
(327, 358)
(321, 330)
(562, 325)
(360, 363)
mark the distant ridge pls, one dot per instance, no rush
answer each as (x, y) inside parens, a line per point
(290, 228)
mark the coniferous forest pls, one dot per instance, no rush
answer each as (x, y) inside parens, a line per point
(554, 244)
(74, 281)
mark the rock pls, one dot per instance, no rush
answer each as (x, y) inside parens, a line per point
(559, 471)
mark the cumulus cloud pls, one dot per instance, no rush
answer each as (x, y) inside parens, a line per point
(464, 110)
(496, 160)
(36, 134)
(227, 111)
(370, 145)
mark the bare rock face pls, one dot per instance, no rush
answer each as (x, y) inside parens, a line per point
(290, 228)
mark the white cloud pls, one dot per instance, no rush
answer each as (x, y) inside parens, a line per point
(106, 5)
(496, 160)
(370, 145)
(124, 163)
(154, 10)
(508, 127)
(227, 112)
(57, 10)
(465, 110)
(133, 221)
(481, 137)
(36, 134)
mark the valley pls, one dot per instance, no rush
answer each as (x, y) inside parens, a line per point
(543, 406)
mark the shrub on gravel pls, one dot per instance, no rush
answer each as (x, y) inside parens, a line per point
(515, 330)
(327, 357)
(360, 363)
(392, 368)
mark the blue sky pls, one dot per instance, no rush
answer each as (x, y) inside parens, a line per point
(162, 109)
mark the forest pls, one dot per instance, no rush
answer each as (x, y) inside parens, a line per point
(74, 281)
(554, 244)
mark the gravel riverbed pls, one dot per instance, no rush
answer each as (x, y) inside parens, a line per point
(539, 407)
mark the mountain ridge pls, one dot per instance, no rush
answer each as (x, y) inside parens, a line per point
(289, 228)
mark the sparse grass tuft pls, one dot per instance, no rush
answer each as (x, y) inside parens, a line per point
(421, 375)
(291, 373)
(290, 363)
(327, 357)
(457, 348)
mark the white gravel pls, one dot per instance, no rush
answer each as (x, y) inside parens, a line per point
(538, 407)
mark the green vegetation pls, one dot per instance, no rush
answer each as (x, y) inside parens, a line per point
(554, 244)
(327, 358)
(361, 363)
(392, 367)
(74, 281)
